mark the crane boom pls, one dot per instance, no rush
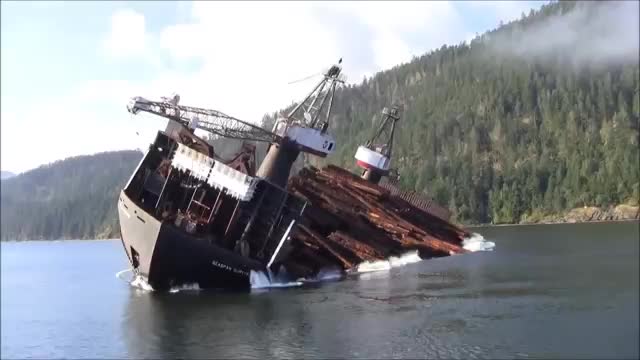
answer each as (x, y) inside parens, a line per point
(290, 134)
(213, 121)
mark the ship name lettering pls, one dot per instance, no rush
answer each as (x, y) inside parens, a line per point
(228, 268)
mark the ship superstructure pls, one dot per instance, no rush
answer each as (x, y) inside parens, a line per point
(189, 216)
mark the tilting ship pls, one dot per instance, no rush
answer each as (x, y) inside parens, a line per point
(187, 215)
(190, 215)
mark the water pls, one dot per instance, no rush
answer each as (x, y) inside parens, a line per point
(546, 291)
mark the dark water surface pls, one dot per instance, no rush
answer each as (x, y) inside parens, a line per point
(546, 291)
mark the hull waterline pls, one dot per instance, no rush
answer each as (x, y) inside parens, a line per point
(168, 257)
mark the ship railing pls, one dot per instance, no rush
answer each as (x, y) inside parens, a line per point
(215, 173)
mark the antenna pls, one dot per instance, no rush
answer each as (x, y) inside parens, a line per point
(305, 78)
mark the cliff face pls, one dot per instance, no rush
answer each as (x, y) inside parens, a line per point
(620, 212)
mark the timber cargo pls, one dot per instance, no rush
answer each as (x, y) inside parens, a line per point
(351, 221)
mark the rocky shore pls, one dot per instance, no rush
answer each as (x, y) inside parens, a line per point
(587, 214)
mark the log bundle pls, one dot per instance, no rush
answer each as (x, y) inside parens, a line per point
(350, 220)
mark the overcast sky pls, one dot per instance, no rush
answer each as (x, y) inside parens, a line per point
(69, 68)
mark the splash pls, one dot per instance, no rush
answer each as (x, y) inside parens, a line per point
(263, 280)
(392, 262)
(327, 274)
(185, 287)
(477, 243)
(369, 266)
(140, 282)
(408, 258)
(120, 273)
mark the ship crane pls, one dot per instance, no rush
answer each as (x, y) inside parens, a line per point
(375, 155)
(290, 135)
(307, 133)
(212, 121)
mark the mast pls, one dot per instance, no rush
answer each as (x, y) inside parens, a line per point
(306, 133)
(375, 155)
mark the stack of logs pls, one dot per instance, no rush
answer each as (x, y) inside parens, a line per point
(350, 220)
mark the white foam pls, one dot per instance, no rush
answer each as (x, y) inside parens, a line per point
(140, 282)
(137, 281)
(369, 266)
(392, 262)
(477, 243)
(261, 280)
(405, 259)
(185, 287)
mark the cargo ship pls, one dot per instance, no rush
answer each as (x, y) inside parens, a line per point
(189, 216)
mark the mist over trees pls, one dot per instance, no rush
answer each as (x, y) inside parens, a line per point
(580, 33)
(536, 117)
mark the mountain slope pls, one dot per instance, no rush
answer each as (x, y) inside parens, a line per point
(517, 124)
(74, 198)
(512, 125)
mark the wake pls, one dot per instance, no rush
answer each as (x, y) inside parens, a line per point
(477, 242)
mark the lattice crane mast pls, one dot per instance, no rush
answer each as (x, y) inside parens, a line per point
(212, 121)
(375, 155)
(307, 133)
(289, 136)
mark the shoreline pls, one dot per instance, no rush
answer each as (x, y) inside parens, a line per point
(470, 226)
(551, 223)
(580, 215)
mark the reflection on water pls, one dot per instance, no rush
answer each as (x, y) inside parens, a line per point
(511, 303)
(206, 324)
(561, 291)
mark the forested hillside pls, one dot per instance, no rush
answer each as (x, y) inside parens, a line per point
(532, 118)
(537, 117)
(74, 198)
